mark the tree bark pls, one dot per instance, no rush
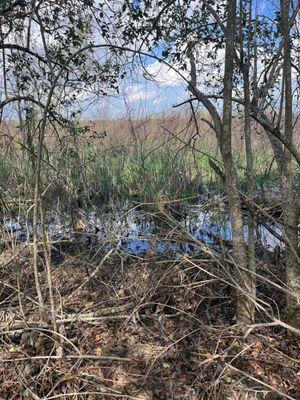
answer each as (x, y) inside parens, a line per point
(249, 154)
(289, 201)
(244, 307)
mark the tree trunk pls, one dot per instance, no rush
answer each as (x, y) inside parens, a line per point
(289, 203)
(244, 307)
(249, 154)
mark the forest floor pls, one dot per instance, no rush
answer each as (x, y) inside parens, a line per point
(136, 328)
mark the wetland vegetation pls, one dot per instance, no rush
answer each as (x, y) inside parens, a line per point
(150, 251)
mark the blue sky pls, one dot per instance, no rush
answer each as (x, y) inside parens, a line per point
(142, 94)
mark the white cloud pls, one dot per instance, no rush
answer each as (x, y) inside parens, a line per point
(138, 92)
(162, 74)
(157, 101)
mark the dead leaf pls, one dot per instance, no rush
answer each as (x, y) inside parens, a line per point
(143, 395)
(98, 351)
(67, 378)
(120, 379)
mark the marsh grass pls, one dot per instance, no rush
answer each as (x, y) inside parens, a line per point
(116, 161)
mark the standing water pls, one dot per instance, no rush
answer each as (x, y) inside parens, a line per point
(134, 231)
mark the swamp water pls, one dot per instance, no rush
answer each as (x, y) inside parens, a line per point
(137, 233)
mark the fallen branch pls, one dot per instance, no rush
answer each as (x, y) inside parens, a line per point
(275, 322)
(18, 324)
(72, 357)
(96, 270)
(261, 382)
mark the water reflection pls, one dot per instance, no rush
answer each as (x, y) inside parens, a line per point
(133, 231)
